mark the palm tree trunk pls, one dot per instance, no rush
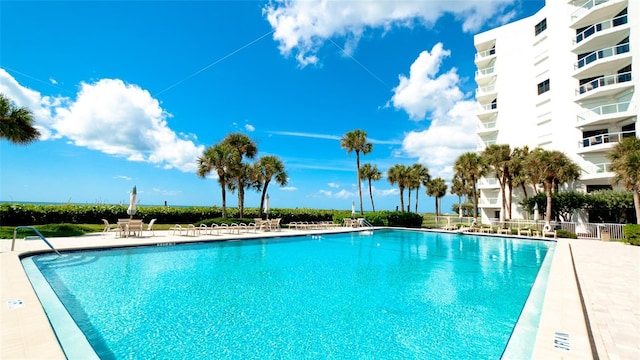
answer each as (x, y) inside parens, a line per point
(409, 203)
(548, 188)
(636, 203)
(417, 192)
(373, 207)
(262, 196)
(402, 199)
(223, 185)
(437, 209)
(510, 202)
(240, 201)
(359, 185)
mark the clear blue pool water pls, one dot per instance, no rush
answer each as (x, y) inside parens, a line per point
(393, 294)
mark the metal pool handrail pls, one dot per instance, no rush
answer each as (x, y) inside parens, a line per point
(15, 231)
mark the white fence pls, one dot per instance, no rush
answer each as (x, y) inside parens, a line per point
(604, 231)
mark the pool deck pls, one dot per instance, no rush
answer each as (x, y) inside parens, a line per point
(590, 282)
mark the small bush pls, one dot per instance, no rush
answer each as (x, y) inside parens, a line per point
(562, 233)
(632, 234)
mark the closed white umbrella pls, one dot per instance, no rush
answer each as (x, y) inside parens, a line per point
(266, 206)
(536, 213)
(132, 202)
(353, 208)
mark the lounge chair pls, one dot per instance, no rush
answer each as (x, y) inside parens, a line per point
(150, 226)
(134, 227)
(548, 230)
(109, 227)
(505, 231)
(176, 228)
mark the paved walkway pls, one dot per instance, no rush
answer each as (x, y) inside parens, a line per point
(608, 276)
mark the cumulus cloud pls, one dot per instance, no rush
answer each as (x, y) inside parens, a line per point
(302, 26)
(288, 188)
(446, 138)
(342, 194)
(424, 91)
(249, 128)
(429, 94)
(109, 116)
(333, 185)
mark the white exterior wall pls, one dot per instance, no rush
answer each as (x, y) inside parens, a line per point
(523, 59)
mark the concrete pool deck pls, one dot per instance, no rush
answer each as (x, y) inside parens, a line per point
(603, 292)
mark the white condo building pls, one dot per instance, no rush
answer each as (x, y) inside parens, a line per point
(563, 79)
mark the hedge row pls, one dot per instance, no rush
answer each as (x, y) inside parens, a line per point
(632, 234)
(31, 214)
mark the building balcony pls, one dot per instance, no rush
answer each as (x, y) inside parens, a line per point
(486, 75)
(602, 142)
(603, 61)
(605, 114)
(485, 128)
(599, 35)
(606, 86)
(484, 58)
(595, 171)
(488, 183)
(489, 202)
(591, 11)
(487, 111)
(486, 93)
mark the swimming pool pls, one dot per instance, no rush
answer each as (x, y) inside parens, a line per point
(393, 294)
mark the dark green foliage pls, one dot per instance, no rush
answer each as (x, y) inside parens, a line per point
(610, 206)
(562, 233)
(564, 204)
(632, 234)
(467, 208)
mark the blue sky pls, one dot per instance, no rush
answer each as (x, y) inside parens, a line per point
(130, 93)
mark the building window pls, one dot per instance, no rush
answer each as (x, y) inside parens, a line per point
(543, 87)
(541, 26)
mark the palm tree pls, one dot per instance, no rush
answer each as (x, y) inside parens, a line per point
(437, 188)
(246, 176)
(625, 163)
(459, 187)
(518, 172)
(553, 168)
(270, 167)
(469, 166)
(217, 158)
(356, 140)
(421, 174)
(370, 173)
(242, 147)
(399, 174)
(497, 158)
(16, 124)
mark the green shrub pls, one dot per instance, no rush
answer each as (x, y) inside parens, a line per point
(562, 233)
(632, 234)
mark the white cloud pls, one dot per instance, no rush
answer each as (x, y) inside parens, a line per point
(250, 128)
(446, 138)
(423, 92)
(123, 177)
(333, 185)
(342, 194)
(289, 188)
(302, 26)
(109, 116)
(385, 192)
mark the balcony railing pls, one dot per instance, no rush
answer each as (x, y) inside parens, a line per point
(604, 81)
(485, 89)
(488, 182)
(607, 24)
(487, 126)
(485, 71)
(615, 137)
(601, 54)
(607, 109)
(489, 143)
(593, 169)
(586, 7)
(489, 107)
(488, 201)
(485, 53)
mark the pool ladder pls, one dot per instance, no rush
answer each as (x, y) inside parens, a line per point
(364, 222)
(15, 231)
